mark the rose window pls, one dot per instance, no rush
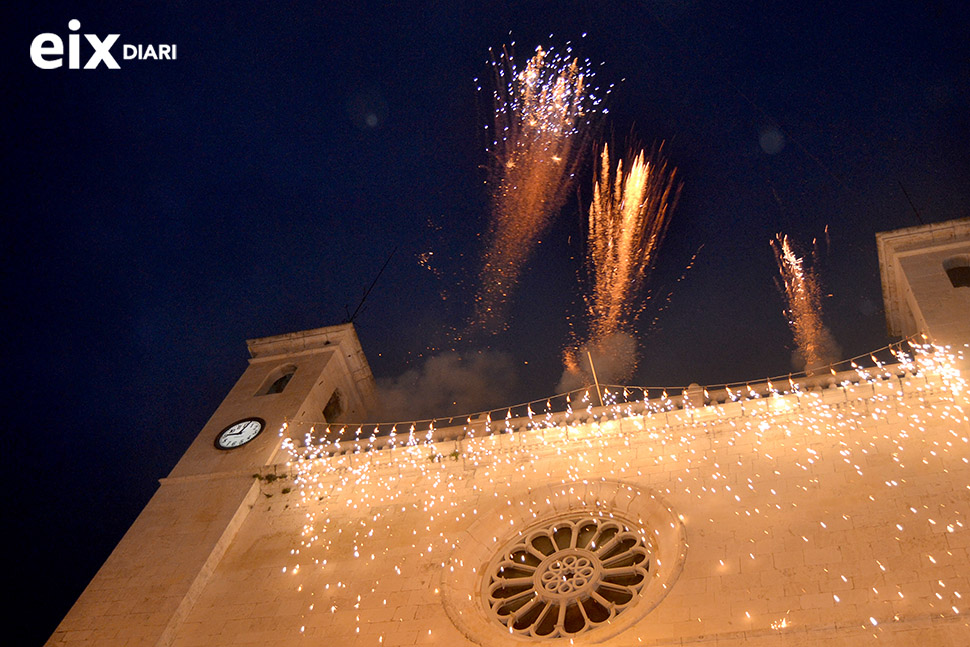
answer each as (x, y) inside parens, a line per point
(567, 577)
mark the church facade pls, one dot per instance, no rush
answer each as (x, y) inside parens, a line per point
(832, 509)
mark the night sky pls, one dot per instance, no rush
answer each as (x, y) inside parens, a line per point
(159, 215)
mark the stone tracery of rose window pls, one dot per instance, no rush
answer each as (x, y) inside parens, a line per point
(566, 577)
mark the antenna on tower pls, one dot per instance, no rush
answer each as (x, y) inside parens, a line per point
(910, 200)
(596, 381)
(350, 319)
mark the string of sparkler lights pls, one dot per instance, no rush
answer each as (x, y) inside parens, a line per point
(333, 483)
(559, 409)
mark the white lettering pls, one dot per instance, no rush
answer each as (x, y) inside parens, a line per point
(47, 50)
(47, 45)
(74, 45)
(74, 51)
(102, 52)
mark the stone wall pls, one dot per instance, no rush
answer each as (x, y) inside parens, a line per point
(836, 516)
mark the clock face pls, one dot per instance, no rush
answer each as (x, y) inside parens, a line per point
(239, 433)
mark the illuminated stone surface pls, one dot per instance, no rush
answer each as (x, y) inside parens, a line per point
(838, 514)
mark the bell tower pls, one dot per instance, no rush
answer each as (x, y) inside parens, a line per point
(926, 280)
(294, 377)
(144, 590)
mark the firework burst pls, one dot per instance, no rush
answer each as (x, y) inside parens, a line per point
(627, 222)
(543, 117)
(803, 298)
(628, 218)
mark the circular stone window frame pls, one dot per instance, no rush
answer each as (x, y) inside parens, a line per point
(487, 541)
(569, 576)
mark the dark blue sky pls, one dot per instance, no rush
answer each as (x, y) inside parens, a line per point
(159, 215)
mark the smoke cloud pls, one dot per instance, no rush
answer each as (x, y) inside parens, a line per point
(827, 351)
(449, 384)
(614, 358)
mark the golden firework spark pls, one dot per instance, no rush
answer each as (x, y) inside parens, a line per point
(803, 297)
(542, 119)
(627, 222)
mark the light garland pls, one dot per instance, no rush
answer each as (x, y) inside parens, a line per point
(356, 481)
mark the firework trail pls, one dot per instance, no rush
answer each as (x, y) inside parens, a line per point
(542, 122)
(627, 222)
(814, 344)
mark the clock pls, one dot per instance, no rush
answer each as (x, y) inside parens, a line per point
(239, 433)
